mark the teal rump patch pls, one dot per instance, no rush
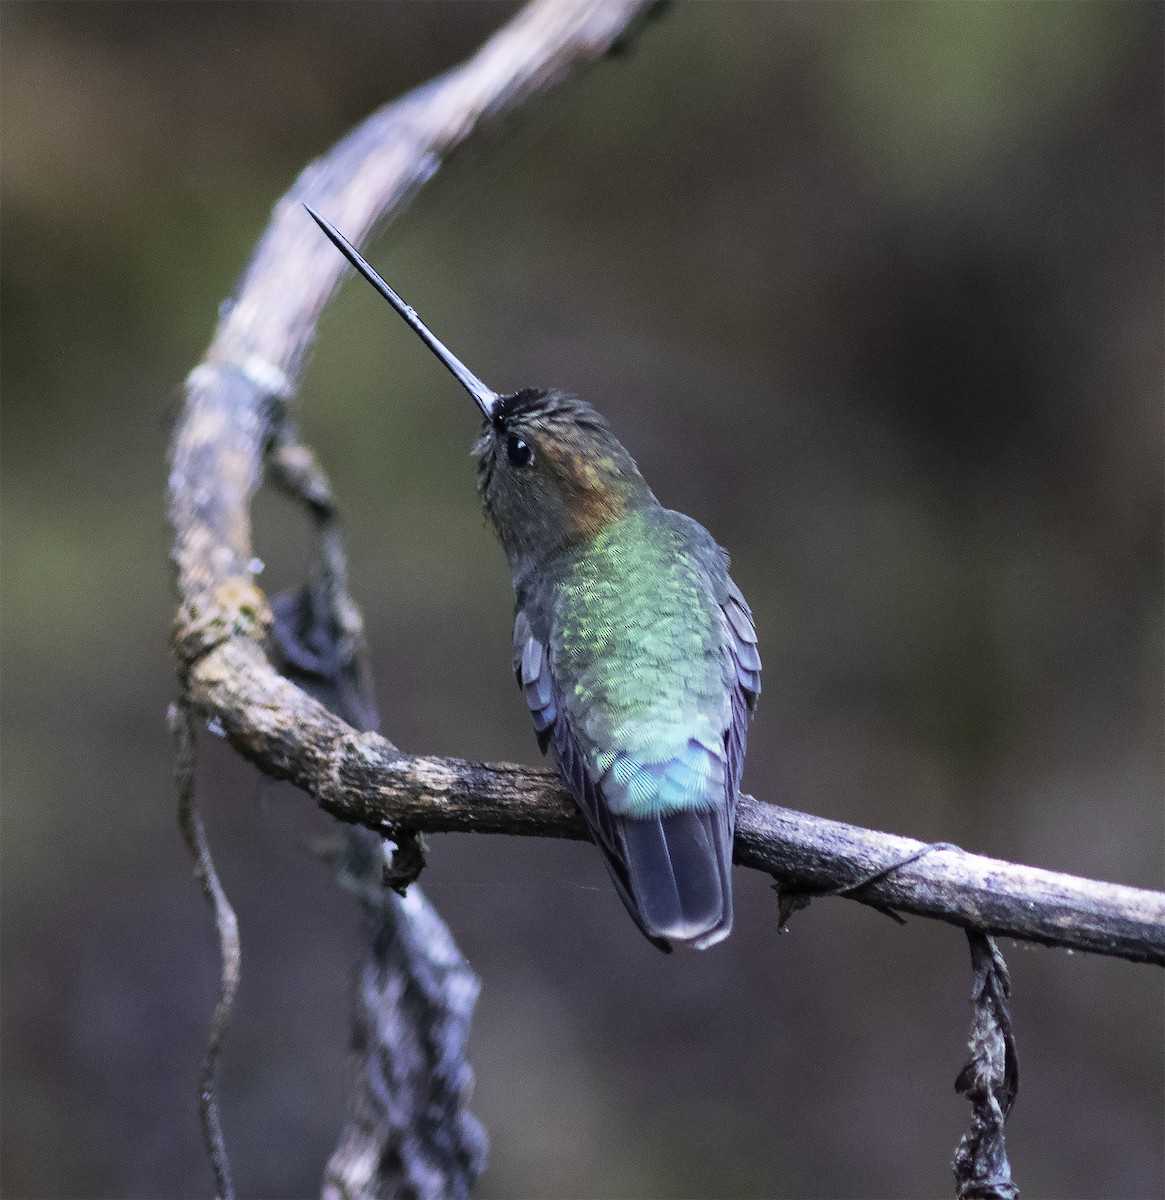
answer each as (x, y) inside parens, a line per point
(691, 781)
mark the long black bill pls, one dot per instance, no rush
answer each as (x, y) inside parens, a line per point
(485, 398)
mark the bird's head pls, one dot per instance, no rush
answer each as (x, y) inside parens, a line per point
(550, 471)
(552, 474)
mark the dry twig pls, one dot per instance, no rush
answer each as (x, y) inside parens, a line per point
(990, 1079)
(230, 950)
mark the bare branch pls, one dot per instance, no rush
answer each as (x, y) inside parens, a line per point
(990, 1080)
(363, 778)
(408, 1131)
(230, 951)
(254, 362)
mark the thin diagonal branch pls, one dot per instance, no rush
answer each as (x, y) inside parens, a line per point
(230, 953)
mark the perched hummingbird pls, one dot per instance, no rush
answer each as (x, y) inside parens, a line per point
(635, 650)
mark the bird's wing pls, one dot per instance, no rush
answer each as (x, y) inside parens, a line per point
(746, 690)
(533, 673)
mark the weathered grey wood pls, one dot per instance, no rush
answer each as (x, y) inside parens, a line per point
(362, 778)
(986, 894)
(264, 333)
(407, 1131)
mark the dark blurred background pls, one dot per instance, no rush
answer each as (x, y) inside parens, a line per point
(874, 292)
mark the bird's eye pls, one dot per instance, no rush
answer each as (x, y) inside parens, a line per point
(519, 454)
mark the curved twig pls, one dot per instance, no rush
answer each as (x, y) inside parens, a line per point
(232, 402)
(230, 952)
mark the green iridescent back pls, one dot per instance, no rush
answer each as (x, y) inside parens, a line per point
(638, 646)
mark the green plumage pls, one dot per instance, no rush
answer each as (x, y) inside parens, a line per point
(636, 638)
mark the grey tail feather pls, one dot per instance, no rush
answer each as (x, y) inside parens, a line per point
(619, 878)
(678, 875)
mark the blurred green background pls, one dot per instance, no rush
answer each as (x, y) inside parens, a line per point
(873, 291)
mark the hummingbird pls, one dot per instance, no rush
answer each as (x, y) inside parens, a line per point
(634, 649)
